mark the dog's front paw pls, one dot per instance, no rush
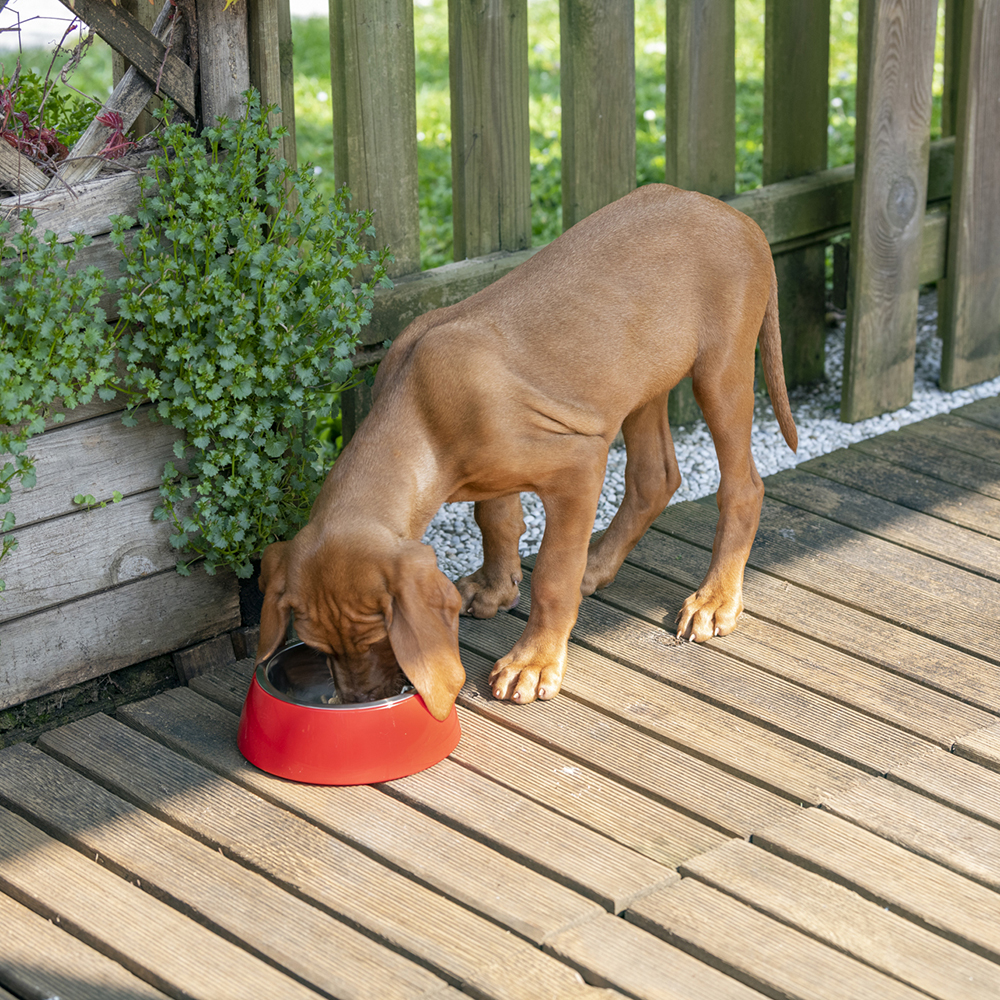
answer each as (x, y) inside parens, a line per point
(483, 597)
(708, 613)
(513, 679)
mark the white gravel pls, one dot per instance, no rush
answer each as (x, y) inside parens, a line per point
(455, 537)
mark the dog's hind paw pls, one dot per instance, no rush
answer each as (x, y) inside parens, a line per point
(483, 598)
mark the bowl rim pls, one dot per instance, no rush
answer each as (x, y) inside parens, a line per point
(267, 685)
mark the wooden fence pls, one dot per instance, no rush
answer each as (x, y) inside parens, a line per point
(916, 212)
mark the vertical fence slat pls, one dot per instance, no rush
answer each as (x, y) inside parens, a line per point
(223, 64)
(490, 138)
(895, 68)
(796, 92)
(270, 20)
(970, 307)
(597, 80)
(372, 66)
(953, 11)
(701, 95)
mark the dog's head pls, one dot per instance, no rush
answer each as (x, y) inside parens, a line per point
(379, 612)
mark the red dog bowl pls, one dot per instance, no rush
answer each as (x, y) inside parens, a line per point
(287, 730)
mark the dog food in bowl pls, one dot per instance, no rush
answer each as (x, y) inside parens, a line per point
(293, 726)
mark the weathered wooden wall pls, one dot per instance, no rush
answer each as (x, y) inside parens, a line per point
(90, 591)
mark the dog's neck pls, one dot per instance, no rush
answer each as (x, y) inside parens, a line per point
(387, 473)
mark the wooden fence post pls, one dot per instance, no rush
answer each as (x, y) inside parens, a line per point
(490, 135)
(270, 48)
(969, 309)
(895, 68)
(701, 96)
(700, 118)
(597, 72)
(223, 64)
(796, 93)
(373, 81)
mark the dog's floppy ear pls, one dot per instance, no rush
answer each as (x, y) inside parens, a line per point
(422, 622)
(276, 614)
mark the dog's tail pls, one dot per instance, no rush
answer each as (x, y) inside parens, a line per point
(769, 340)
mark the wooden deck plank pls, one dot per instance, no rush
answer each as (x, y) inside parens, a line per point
(586, 860)
(810, 664)
(431, 853)
(576, 790)
(902, 587)
(778, 601)
(971, 437)
(843, 920)
(448, 939)
(924, 826)
(770, 956)
(924, 454)
(815, 721)
(855, 509)
(955, 781)
(40, 959)
(643, 965)
(982, 746)
(242, 906)
(907, 488)
(983, 411)
(681, 720)
(892, 876)
(116, 917)
(646, 764)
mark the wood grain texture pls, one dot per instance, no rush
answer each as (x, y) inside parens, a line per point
(490, 133)
(111, 629)
(924, 826)
(701, 96)
(681, 720)
(597, 87)
(572, 854)
(918, 532)
(128, 99)
(38, 958)
(842, 919)
(982, 746)
(642, 964)
(223, 58)
(683, 554)
(18, 173)
(441, 935)
(895, 66)
(910, 489)
(241, 905)
(460, 869)
(970, 317)
(769, 956)
(375, 118)
(814, 666)
(116, 916)
(957, 782)
(983, 411)
(97, 457)
(593, 740)
(968, 436)
(796, 57)
(891, 876)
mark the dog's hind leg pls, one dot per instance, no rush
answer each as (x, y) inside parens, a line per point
(494, 586)
(727, 403)
(651, 479)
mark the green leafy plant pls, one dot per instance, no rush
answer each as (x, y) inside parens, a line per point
(56, 346)
(243, 318)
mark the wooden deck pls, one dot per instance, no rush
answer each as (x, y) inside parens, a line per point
(808, 808)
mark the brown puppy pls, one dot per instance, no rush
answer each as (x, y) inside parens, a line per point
(524, 386)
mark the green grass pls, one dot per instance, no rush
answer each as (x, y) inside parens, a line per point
(314, 123)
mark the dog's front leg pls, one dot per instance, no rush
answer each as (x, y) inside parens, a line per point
(494, 586)
(534, 668)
